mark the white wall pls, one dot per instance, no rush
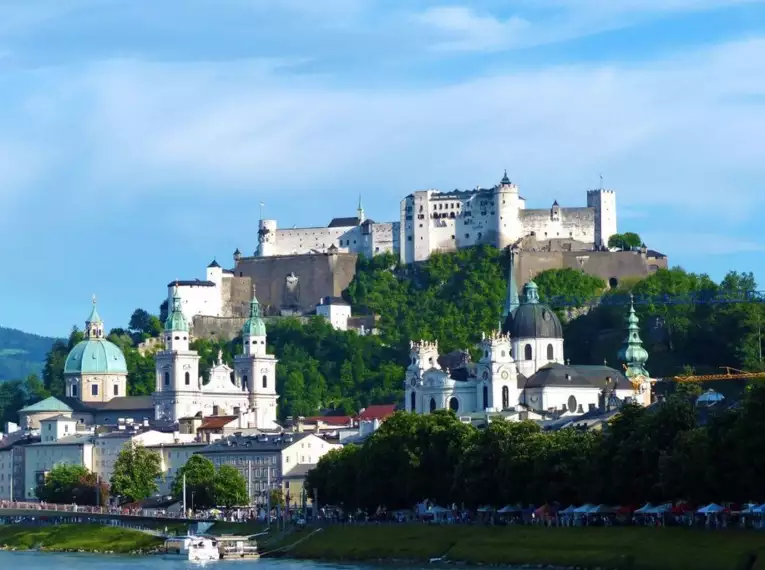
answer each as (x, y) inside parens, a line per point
(538, 353)
(198, 300)
(336, 314)
(308, 450)
(55, 429)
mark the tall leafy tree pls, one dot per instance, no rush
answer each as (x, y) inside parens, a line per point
(136, 471)
(200, 476)
(230, 488)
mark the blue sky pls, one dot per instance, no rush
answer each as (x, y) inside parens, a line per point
(137, 138)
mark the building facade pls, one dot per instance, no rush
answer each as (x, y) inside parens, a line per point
(220, 294)
(249, 391)
(433, 221)
(348, 235)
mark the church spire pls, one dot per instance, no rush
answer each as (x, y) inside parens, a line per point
(94, 326)
(632, 352)
(360, 211)
(176, 320)
(511, 294)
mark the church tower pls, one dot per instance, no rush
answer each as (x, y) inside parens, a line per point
(512, 301)
(178, 382)
(497, 374)
(634, 357)
(256, 370)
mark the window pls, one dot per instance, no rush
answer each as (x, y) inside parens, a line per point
(432, 404)
(167, 378)
(116, 389)
(571, 404)
(454, 404)
(244, 381)
(74, 390)
(485, 397)
(527, 352)
(550, 352)
(412, 402)
(505, 397)
(265, 381)
(50, 426)
(187, 379)
(94, 389)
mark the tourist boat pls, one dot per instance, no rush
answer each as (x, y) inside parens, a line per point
(194, 548)
(237, 547)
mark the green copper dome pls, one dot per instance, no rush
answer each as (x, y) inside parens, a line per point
(95, 354)
(254, 326)
(176, 321)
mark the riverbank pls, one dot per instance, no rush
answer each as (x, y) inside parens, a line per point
(633, 548)
(78, 538)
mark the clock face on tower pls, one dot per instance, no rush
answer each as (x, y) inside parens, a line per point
(505, 375)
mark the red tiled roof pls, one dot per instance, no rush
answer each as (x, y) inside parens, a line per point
(378, 412)
(217, 422)
(330, 420)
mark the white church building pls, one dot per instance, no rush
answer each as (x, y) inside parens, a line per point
(248, 390)
(522, 367)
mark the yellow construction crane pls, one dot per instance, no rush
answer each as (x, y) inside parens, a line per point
(730, 374)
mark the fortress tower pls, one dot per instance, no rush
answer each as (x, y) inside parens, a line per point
(604, 203)
(267, 238)
(508, 206)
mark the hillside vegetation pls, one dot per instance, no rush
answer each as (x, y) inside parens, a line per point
(452, 298)
(22, 353)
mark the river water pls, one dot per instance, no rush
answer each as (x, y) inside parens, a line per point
(50, 561)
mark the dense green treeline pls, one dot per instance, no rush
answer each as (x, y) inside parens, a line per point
(21, 353)
(656, 454)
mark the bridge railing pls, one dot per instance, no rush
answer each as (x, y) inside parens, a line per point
(87, 509)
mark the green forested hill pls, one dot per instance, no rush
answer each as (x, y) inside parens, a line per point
(22, 353)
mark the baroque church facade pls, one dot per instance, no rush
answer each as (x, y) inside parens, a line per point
(248, 390)
(522, 367)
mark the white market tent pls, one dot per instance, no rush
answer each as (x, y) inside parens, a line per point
(711, 509)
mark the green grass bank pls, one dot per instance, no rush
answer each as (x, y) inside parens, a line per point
(76, 538)
(634, 548)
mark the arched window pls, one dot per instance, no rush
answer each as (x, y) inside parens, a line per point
(527, 352)
(116, 389)
(74, 390)
(167, 378)
(571, 404)
(432, 404)
(550, 352)
(454, 404)
(505, 397)
(187, 379)
(244, 382)
(265, 381)
(413, 402)
(485, 397)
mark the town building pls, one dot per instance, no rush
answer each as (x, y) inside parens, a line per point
(433, 221)
(12, 466)
(522, 367)
(266, 461)
(336, 310)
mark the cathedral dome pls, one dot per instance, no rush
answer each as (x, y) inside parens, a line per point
(531, 319)
(95, 354)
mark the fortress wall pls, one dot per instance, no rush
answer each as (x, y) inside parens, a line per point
(303, 240)
(574, 223)
(240, 296)
(318, 275)
(606, 265)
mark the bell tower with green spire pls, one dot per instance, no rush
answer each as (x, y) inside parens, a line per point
(512, 301)
(255, 369)
(634, 357)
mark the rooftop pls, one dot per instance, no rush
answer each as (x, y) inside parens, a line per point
(77, 439)
(255, 443)
(338, 421)
(378, 412)
(191, 283)
(344, 222)
(217, 422)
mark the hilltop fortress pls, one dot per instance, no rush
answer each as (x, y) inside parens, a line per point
(292, 269)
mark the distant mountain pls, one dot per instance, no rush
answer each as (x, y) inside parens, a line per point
(22, 353)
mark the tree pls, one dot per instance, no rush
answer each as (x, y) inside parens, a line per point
(73, 484)
(136, 471)
(200, 475)
(230, 488)
(277, 498)
(625, 241)
(145, 323)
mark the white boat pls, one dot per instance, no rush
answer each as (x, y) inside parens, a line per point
(203, 550)
(193, 548)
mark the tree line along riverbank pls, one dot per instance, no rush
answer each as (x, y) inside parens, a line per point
(628, 548)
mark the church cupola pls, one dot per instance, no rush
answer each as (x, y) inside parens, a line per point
(94, 326)
(505, 180)
(254, 329)
(632, 352)
(176, 325)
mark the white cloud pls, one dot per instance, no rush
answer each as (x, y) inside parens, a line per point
(535, 22)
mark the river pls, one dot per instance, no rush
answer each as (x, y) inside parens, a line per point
(47, 561)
